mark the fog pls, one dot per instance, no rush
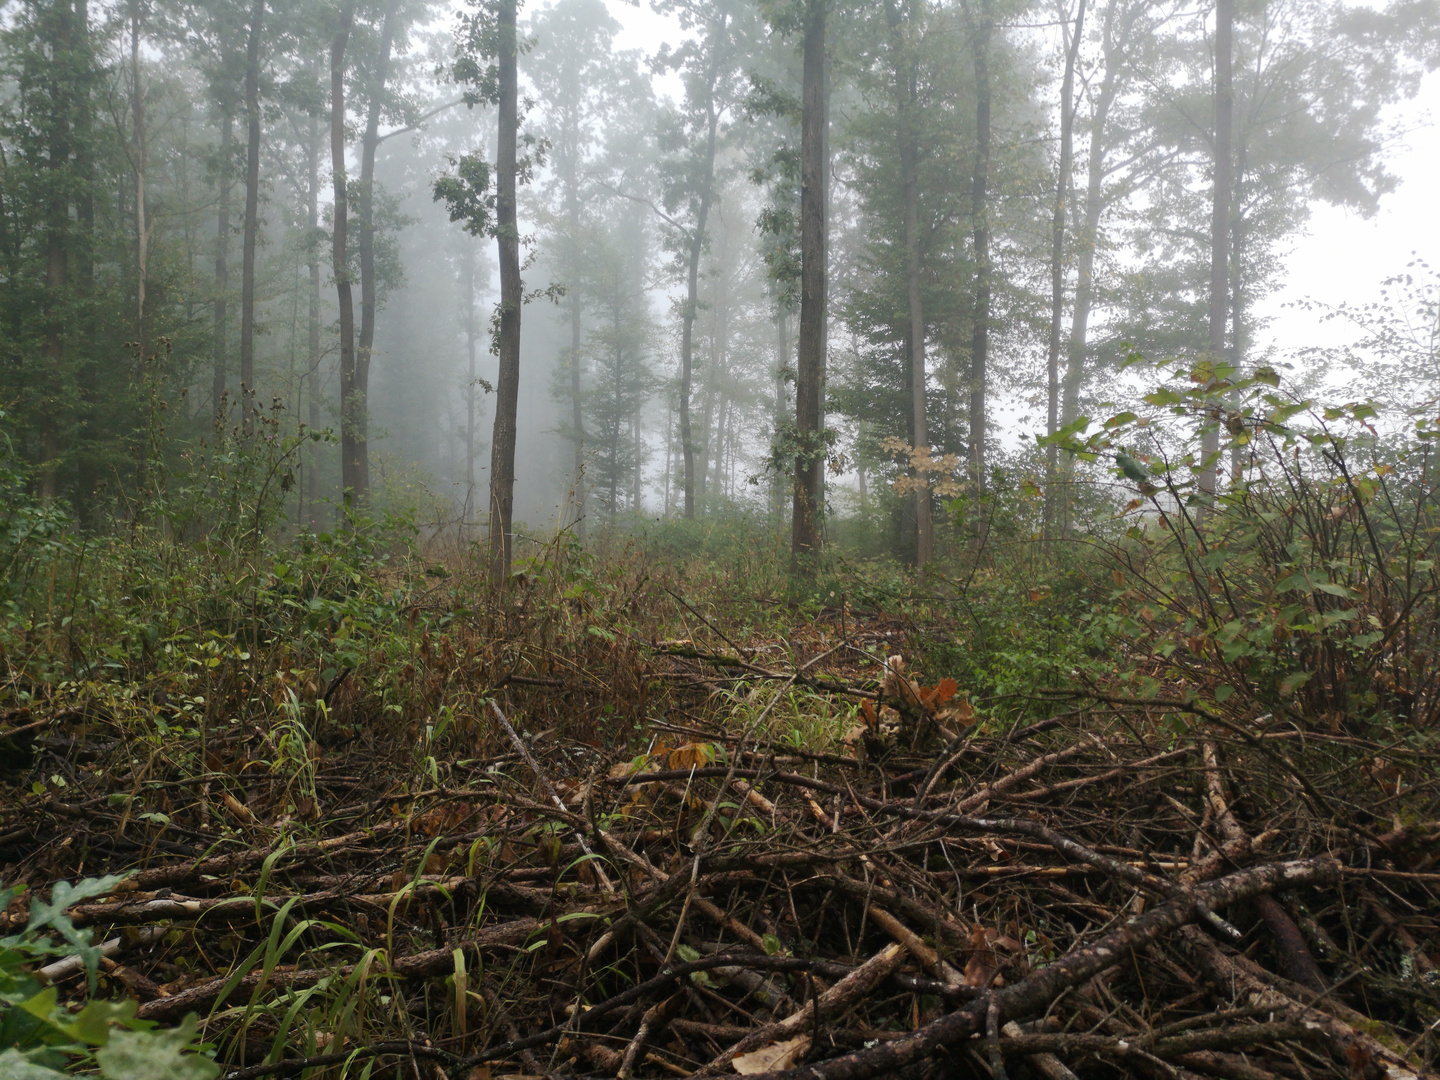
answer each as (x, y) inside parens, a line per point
(1015, 218)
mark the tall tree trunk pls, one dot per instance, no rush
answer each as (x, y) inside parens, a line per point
(570, 177)
(222, 264)
(252, 209)
(1238, 335)
(810, 360)
(906, 100)
(692, 277)
(507, 389)
(980, 216)
(577, 412)
(83, 245)
(366, 240)
(782, 365)
(339, 258)
(142, 228)
(1219, 230)
(472, 333)
(1063, 187)
(1086, 243)
(312, 382)
(57, 258)
(669, 452)
(711, 448)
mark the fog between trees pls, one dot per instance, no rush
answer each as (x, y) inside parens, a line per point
(227, 225)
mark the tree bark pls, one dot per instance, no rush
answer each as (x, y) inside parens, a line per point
(366, 240)
(142, 229)
(1063, 187)
(472, 334)
(57, 260)
(1238, 333)
(906, 102)
(577, 413)
(252, 209)
(222, 265)
(570, 177)
(979, 212)
(349, 474)
(692, 276)
(810, 359)
(1219, 231)
(782, 365)
(507, 389)
(83, 252)
(1086, 243)
(312, 380)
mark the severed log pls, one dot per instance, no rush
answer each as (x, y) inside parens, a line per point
(1034, 993)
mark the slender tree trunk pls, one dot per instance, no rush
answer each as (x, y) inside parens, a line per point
(1063, 187)
(472, 333)
(810, 361)
(692, 277)
(637, 474)
(577, 413)
(669, 452)
(1219, 229)
(1087, 241)
(252, 208)
(83, 246)
(222, 265)
(712, 432)
(366, 241)
(906, 99)
(1237, 295)
(507, 390)
(571, 179)
(57, 262)
(312, 222)
(339, 257)
(142, 230)
(782, 365)
(980, 215)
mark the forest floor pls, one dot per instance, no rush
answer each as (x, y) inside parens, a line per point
(729, 846)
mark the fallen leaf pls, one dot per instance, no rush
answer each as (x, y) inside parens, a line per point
(772, 1058)
(239, 809)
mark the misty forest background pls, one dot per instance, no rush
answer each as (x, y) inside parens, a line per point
(1013, 208)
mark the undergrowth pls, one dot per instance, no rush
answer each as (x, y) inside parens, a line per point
(208, 648)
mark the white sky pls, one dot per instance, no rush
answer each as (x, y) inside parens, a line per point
(1344, 257)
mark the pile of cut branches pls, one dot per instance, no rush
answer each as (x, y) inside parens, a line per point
(1138, 888)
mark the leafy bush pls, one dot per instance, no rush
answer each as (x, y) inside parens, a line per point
(1308, 583)
(40, 1037)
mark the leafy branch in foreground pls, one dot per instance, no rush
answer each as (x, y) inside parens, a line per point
(41, 1037)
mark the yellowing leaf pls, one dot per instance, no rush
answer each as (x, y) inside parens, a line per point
(772, 1058)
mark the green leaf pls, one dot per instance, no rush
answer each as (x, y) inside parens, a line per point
(92, 1025)
(1292, 682)
(1267, 375)
(1224, 693)
(688, 953)
(1163, 396)
(773, 945)
(155, 1055)
(16, 1066)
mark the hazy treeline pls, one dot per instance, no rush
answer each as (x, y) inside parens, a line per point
(240, 220)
